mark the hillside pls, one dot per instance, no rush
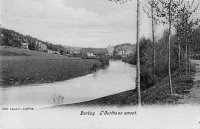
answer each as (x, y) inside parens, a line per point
(72, 49)
(94, 50)
(125, 46)
(16, 39)
(8, 51)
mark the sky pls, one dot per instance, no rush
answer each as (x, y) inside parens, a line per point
(80, 23)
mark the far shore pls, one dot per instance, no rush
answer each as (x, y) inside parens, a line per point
(21, 67)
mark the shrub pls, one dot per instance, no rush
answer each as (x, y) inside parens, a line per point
(95, 67)
(131, 59)
(104, 61)
(161, 61)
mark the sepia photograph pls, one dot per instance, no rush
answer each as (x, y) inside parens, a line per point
(99, 64)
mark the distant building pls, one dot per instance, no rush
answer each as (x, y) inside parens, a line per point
(53, 52)
(110, 50)
(57, 52)
(77, 52)
(125, 50)
(50, 51)
(90, 54)
(119, 52)
(25, 45)
(41, 46)
(130, 50)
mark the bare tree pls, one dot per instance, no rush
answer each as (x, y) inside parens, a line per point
(169, 12)
(166, 13)
(153, 36)
(151, 14)
(138, 53)
(184, 27)
(138, 47)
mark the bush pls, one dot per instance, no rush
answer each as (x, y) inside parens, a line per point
(161, 62)
(104, 61)
(95, 67)
(131, 59)
(146, 63)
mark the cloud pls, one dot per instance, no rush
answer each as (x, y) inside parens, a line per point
(95, 23)
(70, 22)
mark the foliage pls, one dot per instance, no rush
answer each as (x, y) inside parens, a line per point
(131, 59)
(161, 68)
(104, 61)
(196, 40)
(146, 63)
(10, 38)
(15, 39)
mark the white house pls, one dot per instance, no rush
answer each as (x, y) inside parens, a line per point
(90, 54)
(41, 46)
(110, 50)
(25, 45)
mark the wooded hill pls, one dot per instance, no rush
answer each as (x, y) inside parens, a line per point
(15, 39)
(125, 46)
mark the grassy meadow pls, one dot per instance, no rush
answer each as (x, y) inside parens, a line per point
(20, 67)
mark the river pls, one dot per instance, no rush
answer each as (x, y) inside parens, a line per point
(116, 78)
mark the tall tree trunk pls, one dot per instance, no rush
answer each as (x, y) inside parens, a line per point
(153, 39)
(169, 50)
(186, 49)
(189, 65)
(138, 54)
(198, 53)
(179, 53)
(186, 58)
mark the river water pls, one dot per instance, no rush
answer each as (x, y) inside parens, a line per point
(117, 77)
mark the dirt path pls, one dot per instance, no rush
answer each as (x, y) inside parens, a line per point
(194, 96)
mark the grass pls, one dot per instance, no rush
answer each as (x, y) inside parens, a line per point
(20, 67)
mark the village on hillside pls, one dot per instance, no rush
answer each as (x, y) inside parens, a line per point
(15, 39)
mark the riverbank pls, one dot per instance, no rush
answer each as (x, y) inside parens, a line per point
(115, 78)
(158, 94)
(194, 96)
(20, 67)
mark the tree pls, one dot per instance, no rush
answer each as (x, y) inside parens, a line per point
(61, 52)
(196, 41)
(188, 29)
(153, 37)
(152, 4)
(178, 35)
(138, 47)
(169, 12)
(138, 53)
(166, 13)
(184, 28)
